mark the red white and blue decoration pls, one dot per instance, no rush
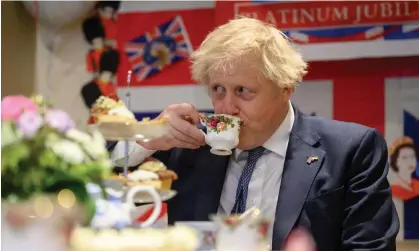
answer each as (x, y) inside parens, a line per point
(162, 46)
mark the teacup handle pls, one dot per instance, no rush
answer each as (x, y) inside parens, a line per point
(156, 201)
(202, 121)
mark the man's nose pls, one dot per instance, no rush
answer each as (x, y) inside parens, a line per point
(230, 105)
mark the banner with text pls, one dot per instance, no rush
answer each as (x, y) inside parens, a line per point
(337, 30)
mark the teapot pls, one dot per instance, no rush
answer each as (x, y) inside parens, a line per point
(113, 212)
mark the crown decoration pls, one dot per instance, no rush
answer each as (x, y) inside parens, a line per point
(399, 142)
(162, 53)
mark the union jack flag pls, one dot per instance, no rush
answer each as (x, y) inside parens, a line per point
(164, 45)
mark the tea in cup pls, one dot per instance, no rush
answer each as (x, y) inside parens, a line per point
(222, 132)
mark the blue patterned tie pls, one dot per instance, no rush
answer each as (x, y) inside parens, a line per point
(246, 176)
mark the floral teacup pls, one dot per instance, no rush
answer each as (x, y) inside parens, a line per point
(222, 132)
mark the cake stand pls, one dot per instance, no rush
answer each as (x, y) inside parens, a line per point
(138, 132)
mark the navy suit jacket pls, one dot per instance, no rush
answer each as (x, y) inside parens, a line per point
(343, 198)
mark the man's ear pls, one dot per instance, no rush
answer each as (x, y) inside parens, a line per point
(287, 92)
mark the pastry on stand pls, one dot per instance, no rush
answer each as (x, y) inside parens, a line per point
(166, 176)
(116, 122)
(151, 172)
(176, 238)
(106, 109)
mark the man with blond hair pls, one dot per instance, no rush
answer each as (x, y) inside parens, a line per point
(326, 176)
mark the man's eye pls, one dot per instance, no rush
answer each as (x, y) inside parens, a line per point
(219, 89)
(243, 90)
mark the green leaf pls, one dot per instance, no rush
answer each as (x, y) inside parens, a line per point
(9, 135)
(12, 155)
(48, 158)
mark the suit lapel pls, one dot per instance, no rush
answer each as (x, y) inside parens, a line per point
(297, 177)
(211, 170)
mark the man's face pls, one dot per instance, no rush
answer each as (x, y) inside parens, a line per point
(246, 93)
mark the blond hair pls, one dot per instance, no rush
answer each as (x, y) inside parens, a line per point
(243, 37)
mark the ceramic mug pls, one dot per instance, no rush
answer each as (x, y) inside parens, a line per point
(222, 132)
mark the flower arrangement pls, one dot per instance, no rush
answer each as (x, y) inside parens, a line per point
(43, 152)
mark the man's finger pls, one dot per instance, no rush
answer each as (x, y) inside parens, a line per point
(183, 144)
(186, 110)
(188, 129)
(183, 137)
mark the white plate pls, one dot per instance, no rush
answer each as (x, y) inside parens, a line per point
(130, 131)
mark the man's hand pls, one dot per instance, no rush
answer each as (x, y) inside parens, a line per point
(299, 240)
(183, 133)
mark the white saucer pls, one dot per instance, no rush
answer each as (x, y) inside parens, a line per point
(130, 131)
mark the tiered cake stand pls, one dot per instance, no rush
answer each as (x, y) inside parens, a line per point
(137, 132)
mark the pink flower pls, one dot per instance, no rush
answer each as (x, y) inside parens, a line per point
(59, 120)
(13, 106)
(29, 123)
(213, 122)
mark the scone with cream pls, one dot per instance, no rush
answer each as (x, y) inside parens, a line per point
(151, 172)
(165, 175)
(141, 177)
(107, 109)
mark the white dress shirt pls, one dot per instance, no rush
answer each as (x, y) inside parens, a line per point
(266, 179)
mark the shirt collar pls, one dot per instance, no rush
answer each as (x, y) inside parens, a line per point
(278, 142)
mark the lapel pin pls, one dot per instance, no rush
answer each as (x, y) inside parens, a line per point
(312, 159)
